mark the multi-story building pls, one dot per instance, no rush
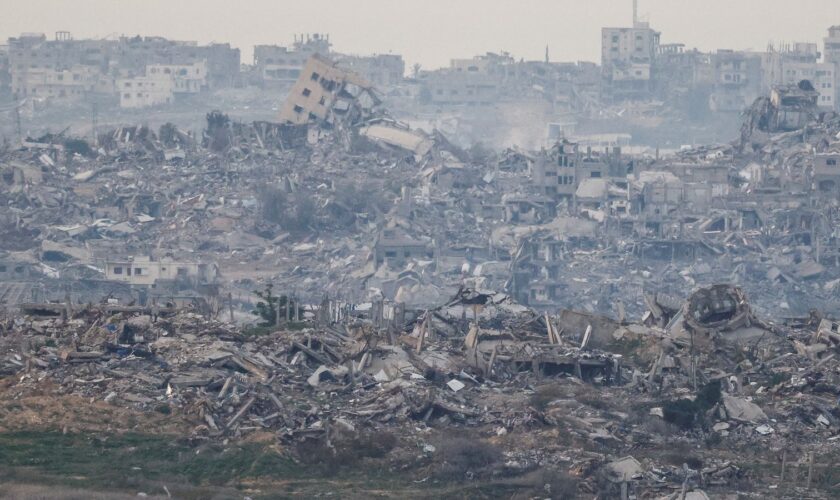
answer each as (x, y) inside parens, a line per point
(737, 80)
(396, 247)
(146, 91)
(37, 64)
(145, 271)
(796, 62)
(186, 78)
(324, 92)
(133, 54)
(831, 47)
(831, 55)
(223, 63)
(823, 77)
(826, 175)
(445, 87)
(64, 84)
(627, 56)
(381, 70)
(161, 83)
(477, 81)
(276, 65)
(68, 68)
(559, 171)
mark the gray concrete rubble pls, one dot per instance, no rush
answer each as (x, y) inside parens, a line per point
(478, 362)
(654, 327)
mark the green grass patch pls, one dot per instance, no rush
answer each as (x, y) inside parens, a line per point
(123, 461)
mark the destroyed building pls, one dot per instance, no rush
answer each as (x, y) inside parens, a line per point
(827, 172)
(326, 93)
(627, 56)
(144, 271)
(343, 287)
(66, 69)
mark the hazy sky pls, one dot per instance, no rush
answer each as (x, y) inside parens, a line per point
(431, 31)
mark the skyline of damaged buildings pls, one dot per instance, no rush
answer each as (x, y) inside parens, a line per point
(654, 91)
(624, 274)
(530, 211)
(409, 216)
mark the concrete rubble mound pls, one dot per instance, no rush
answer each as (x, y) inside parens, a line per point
(566, 319)
(478, 362)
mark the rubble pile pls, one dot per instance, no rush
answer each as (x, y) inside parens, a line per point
(728, 387)
(655, 327)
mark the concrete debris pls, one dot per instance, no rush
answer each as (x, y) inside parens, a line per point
(652, 326)
(625, 470)
(743, 410)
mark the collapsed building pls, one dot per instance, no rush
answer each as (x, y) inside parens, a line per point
(420, 284)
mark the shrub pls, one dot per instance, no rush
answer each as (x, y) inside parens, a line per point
(709, 395)
(682, 412)
(78, 146)
(686, 413)
(267, 307)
